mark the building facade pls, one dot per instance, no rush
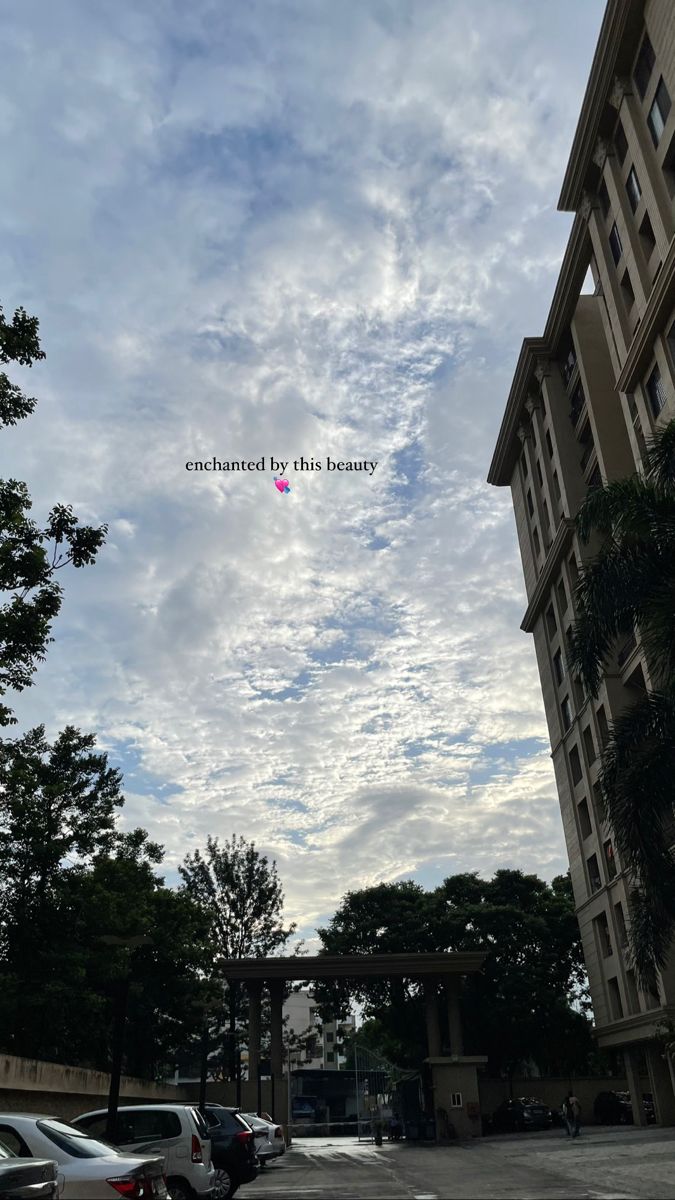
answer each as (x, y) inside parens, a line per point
(585, 397)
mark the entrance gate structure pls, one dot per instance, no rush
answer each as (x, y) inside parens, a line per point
(454, 1075)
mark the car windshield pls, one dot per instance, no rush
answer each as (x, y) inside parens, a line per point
(73, 1141)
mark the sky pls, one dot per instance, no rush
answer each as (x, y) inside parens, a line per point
(281, 229)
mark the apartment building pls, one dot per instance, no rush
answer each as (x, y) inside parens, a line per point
(584, 398)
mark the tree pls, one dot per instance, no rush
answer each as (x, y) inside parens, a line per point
(241, 896)
(629, 585)
(30, 554)
(57, 811)
(527, 1003)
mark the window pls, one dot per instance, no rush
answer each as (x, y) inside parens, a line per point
(631, 989)
(633, 188)
(603, 935)
(575, 765)
(599, 801)
(537, 543)
(577, 403)
(330, 1057)
(644, 65)
(603, 727)
(616, 1007)
(589, 744)
(539, 474)
(610, 860)
(615, 244)
(558, 666)
(658, 113)
(594, 880)
(549, 444)
(525, 467)
(568, 363)
(566, 711)
(556, 487)
(620, 143)
(579, 693)
(595, 480)
(72, 1140)
(584, 819)
(656, 392)
(455, 1099)
(621, 924)
(562, 595)
(530, 504)
(647, 238)
(547, 519)
(603, 197)
(330, 1037)
(627, 290)
(574, 569)
(670, 338)
(551, 623)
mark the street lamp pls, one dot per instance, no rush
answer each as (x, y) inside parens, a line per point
(119, 1021)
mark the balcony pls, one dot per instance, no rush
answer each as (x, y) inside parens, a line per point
(626, 651)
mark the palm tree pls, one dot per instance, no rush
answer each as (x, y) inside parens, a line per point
(628, 586)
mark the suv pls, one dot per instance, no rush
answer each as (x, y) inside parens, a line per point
(176, 1131)
(232, 1147)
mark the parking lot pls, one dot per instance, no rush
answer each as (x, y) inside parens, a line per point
(601, 1163)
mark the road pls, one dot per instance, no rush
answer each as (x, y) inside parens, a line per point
(603, 1164)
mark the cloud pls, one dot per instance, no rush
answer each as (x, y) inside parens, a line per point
(286, 230)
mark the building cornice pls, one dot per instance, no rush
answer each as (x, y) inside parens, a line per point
(544, 583)
(613, 56)
(661, 301)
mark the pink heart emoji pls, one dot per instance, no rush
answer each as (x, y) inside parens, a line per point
(281, 484)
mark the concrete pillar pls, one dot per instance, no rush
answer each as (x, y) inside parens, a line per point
(254, 988)
(276, 1052)
(631, 1057)
(662, 1085)
(452, 988)
(431, 1010)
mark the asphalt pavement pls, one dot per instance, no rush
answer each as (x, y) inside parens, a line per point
(602, 1164)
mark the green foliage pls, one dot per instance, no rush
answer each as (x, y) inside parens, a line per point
(529, 1000)
(30, 554)
(68, 878)
(19, 342)
(240, 894)
(630, 584)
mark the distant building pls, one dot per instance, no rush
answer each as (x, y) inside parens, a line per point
(584, 398)
(320, 1044)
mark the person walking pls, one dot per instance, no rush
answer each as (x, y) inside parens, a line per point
(566, 1114)
(574, 1109)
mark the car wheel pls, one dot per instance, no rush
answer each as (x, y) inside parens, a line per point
(179, 1189)
(226, 1186)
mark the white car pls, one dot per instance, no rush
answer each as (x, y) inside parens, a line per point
(269, 1137)
(87, 1168)
(176, 1131)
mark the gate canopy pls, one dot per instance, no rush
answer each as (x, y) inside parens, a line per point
(350, 966)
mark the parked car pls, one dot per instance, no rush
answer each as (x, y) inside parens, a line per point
(515, 1116)
(27, 1178)
(176, 1131)
(615, 1108)
(232, 1149)
(88, 1168)
(273, 1144)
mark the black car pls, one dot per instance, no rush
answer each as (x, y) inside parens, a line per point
(615, 1108)
(27, 1178)
(232, 1148)
(515, 1116)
